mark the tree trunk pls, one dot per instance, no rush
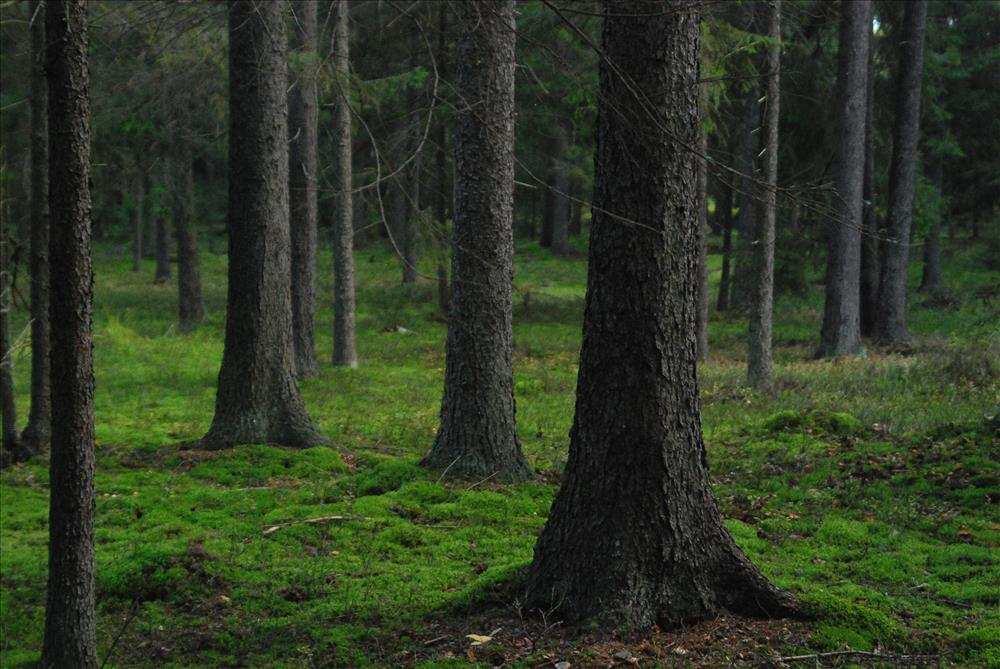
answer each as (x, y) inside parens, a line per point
(410, 187)
(561, 203)
(11, 448)
(344, 345)
(576, 217)
(930, 280)
(441, 165)
(701, 319)
(36, 434)
(869, 232)
(548, 202)
(722, 301)
(258, 398)
(478, 437)
(302, 118)
(841, 332)
(69, 638)
(891, 324)
(759, 361)
(137, 223)
(634, 536)
(190, 305)
(162, 251)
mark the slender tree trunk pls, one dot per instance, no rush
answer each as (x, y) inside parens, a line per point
(576, 217)
(137, 223)
(190, 305)
(478, 436)
(759, 361)
(549, 200)
(634, 535)
(258, 398)
(441, 164)
(344, 345)
(70, 636)
(841, 333)
(148, 222)
(36, 434)
(302, 117)
(11, 448)
(726, 203)
(701, 320)
(869, 232)
(162, 251)
(561, 203)
(891, 324)
(411, 203)
(930, 280)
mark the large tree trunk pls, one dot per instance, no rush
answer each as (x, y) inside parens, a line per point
(302, 118)
(137, 222)
(759, 361)
(69, 638)
(162, 274)
(701, 318)
(870, 234)
(36, 434)
(478, 436)
(841, 332)
(890, 327)
(634, 535)
(344, 345)
(190, 305)
(930, 280)
(258, 397)
(561, 203)
(726, 204)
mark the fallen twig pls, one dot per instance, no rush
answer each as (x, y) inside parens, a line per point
(312, 521)
(860, 653)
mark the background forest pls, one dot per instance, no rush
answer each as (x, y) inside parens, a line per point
(859, 475)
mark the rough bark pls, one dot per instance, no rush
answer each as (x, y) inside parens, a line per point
(36, 433)
(162, 274)
(760, 365)
(478, 437)
(890, 327)
(869, 231)
(701, 319)
(69, 637)
(137, 222)
(302, 130)
(190, 304)
(726, 204)
(344, 343)
(841, 331)
(258, 397)
(560, 183)
(634, 535)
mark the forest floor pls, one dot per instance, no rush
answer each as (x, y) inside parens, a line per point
(868, 487)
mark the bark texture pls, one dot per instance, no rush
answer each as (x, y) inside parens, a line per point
(478, 437)
(162, 274)
(869, 222)
(36, 433)
(345, 350)
(890, 328)
(841, 331)
(634, 535)
(190, 304)
(258, 398)
(302, 130)
(69, 637)
(760, 364)
(11, 447)
(701, 320)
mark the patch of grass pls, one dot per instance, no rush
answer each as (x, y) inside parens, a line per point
(868, 487)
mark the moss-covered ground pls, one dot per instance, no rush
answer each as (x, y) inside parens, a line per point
(868, 487)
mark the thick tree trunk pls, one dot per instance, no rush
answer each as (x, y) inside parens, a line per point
(841, 332)
(478, 437)
(137, 223)
(344, 343)
(634, 535)
(190, 305)
(890, 327)
(69, 638)
(726, 204)
(302, 130)
(869, 231)
(162, 251)
(258, 398)
(760, 365)
(930, 280)
(561, 203)
(36, 434)
(701, 320)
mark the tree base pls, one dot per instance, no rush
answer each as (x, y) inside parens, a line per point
(465, 463)
(223, 435)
